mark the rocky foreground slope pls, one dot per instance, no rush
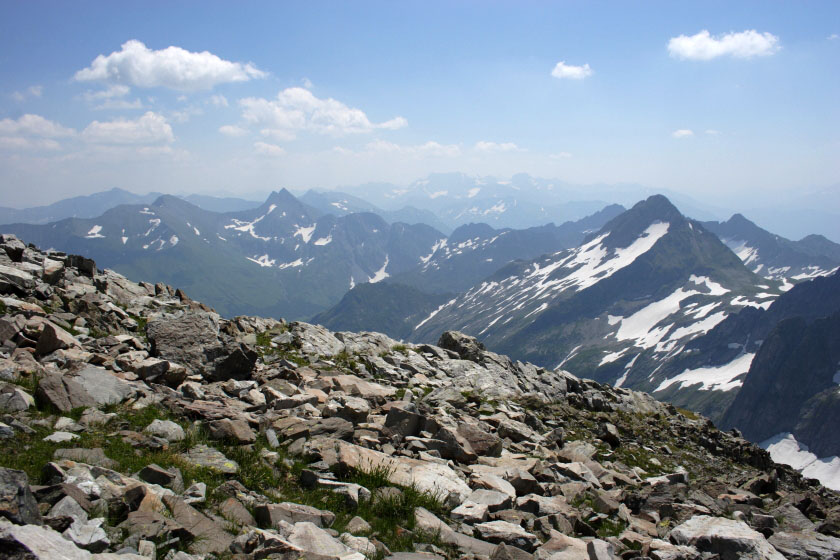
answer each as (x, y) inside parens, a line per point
(138, 424)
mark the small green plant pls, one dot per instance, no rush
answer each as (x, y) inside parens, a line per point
(401, 348)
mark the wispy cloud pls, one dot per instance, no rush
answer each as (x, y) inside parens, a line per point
(704, 46)
(266, 149)
(571, 72)
(232, 130)
(31, 91)
(297, 109)
(483, 146)
(683, 133)
(151, 128)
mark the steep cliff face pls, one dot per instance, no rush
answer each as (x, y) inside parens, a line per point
(792, 386)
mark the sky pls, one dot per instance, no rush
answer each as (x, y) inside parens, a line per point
(723, 101)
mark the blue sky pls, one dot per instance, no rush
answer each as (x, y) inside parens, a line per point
(324, 94)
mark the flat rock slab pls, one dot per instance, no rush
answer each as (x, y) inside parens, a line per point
(102, 386)
(63, 392)
(39, 543)
(729, 538)
(434, 478)
(204, 456)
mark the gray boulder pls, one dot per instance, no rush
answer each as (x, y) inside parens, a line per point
(17, 504)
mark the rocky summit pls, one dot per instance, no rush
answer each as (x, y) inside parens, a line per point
(137, 423)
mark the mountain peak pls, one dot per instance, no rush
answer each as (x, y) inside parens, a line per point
(627, 227)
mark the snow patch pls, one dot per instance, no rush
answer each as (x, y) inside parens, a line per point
(324, 240)
(439, 244)
(380, 274)
(195, 229)
(247, 227)
(94, 233)
(173, 240)
(293, 264)
(714, 378)
(473, 191)
(435, 312)
(305, 233)
(786, 450)
(641, 325)
(715, 289)
(262, 261)
(437, 194)
(155, 223)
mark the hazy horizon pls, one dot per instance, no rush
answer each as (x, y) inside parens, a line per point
(730, 105)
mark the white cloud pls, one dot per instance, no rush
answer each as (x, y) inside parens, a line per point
(269, 149)
(568, 71)
(297, 109)
(307, 83)
(712, 132)
(32, 132)
(483, 146)
(232, 130)
(111, 98)
(833, 37)
(34, 125)
(185, 114)
(703, 46)
(218, 100)
(172, 67)
(151, 128)
(22, 143)
(560, 155)
(683, 133)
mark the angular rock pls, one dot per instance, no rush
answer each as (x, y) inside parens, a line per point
(54, 338)
(166, 429)
(482, 442)
(209, 536)
(88, 534)
(63, 392)
(270, 515)
(17, 504)
(32, 542)
(806, 546)
(204, 456)
(103, 387)
(311, 538)
(233, 510)
(508, 533)
(403, 419)
(236, 430)
(435, 478)
(15, 399)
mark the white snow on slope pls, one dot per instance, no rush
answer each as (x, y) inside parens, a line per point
(715, 289)
(247, 227)
(786, 450)
(94, 233)
(714, 378)
(298, 262)
(262, 261)
(173, 240)
(641, 325)
(155, 223)
(436, 194)
(433, 313)
(746, 253)
(195, 229)
(742, 301)
(323, 240)
(473, 191)
(813, 272)
(305, 233)
(380, 274)
(438, 244)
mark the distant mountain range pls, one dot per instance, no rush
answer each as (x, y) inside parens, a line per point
(724, 318)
